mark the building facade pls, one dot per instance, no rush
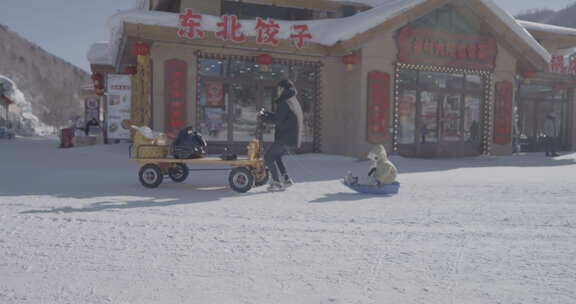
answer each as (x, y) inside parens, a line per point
(425, 78)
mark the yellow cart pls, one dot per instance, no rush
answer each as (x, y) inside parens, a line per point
(245, 173)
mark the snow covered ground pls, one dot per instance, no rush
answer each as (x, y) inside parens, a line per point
(77, 227)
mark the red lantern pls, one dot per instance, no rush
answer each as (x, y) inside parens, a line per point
(96, 77)
(141, 49)
(264, 60)
(130, 70)
(350, 60)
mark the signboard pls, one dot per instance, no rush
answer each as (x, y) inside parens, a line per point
(230, 28)
(503, 113)
(175, 92)
(91, 108)
(563, 65)
(378, 107)
(436, 47)
(118, 99)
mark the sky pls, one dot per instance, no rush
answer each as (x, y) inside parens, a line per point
(67, 28)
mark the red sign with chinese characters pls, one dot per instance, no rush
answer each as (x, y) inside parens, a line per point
(446, 49)
(378, 109)
(503, 105)
(175, 92)
(230, 28)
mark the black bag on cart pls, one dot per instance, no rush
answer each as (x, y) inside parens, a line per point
(189, 144)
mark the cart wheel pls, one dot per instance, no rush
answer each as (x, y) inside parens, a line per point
(151, 176)
(241, 179)
(178, 173)
(263, 180)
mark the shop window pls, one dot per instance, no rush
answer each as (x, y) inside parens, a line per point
(429, 117)
(232, 91)
(169, 6)
(213, 110)
(472, 112)
(451, 117)
(442, 80)
(407, 117)
(473, 82)
(212, 67)
(408, 77)
(245, 108)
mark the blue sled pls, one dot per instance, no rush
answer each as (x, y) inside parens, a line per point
(387, 189)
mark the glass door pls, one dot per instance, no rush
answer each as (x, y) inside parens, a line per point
(451, 128)
(245, 104)
(428, 123)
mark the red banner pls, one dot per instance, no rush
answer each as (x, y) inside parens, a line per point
(446, 49)
(503, 105)
(175, 92)
(378, 109)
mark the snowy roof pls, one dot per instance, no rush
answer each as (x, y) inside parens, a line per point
(554, 29)
(519, 30)
(99, 53)
(326, 32)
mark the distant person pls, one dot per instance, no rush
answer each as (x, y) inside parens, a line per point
(288, 119)
(91, 123)
(551, 132)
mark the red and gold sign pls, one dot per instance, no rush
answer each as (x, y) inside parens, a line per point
(503, 105)
(378, 107)
(230, 28)
(350, 60)
(214, 92)
(434, 47)
(175, 92)
(141, 49)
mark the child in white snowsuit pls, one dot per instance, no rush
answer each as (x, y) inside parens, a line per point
(381, 172)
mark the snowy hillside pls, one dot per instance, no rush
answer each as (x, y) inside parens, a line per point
(50, 84)
(469, 230)
(21, 116)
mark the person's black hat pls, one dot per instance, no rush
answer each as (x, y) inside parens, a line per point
(286, 84)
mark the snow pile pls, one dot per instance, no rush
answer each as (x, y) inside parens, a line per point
(327, 32)
(99, 53)
(518, 29)
(77, 227)
(21, 117)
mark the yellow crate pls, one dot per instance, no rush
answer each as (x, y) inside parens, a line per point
(151, 151)
(144, 147)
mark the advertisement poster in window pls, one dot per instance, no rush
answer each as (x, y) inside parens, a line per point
(214, 94)
(91, 109)
(118, 98)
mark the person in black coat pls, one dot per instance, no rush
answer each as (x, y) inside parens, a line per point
(288, 119)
